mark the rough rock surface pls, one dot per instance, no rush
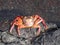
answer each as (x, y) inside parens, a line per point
(28, 37)
(49, 38)
(6, 38)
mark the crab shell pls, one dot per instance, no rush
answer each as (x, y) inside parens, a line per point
(28, 21)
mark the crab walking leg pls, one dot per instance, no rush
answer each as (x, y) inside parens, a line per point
(44, 24)
(12, 28)
(19, 27)
(18, 31)
(38, 21)
(39, 30)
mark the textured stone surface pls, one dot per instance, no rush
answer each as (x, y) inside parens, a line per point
(51, 38)
(28, 37)
(6, 38)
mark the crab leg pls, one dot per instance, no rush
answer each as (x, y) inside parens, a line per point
(44, 24)
(40, 20)
(11, 28)
(18, 31)
(38, 32)
(19, 27)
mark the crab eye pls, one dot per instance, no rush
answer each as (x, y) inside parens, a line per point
(16, 20)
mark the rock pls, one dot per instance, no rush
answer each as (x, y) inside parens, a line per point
(0, 35)
(52, 25)
(7, 38)
(25, 33)
(48, 38)
(25, 42)
(14, 44)
(24, 38)
(56, 36)
(2, 44)
(28, 34)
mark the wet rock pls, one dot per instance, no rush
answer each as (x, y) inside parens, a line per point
(28, 33)
(7, 38)
(11, 39)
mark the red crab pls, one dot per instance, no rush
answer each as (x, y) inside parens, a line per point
(27, 22)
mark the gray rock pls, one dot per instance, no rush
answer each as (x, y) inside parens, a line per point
(0, 34)
(25, 42)
(52, 25)
(28, 34)
(7, 38)
(48, 38)
(14, 44)
(2, 44)
(25, 33)
(56, 36)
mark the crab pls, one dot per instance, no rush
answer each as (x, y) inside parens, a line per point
(28, 22)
